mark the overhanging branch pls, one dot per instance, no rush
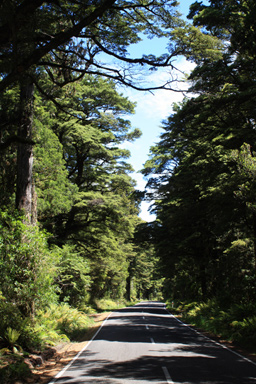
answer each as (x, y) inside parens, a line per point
(58, 40)
(15, 139)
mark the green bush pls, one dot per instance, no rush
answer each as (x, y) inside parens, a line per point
(16, 370)
(27, 268)
(108, 304)
(73, 277)
(237, 323)
(62, 322)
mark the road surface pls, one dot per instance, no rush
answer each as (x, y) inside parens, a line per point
(146, 344)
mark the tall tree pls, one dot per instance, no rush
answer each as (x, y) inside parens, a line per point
(210, 232)
(65, 39)
(91, 202)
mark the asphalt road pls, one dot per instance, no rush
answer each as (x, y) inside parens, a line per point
(146, 344)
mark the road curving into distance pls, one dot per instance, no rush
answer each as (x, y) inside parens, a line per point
(146, 344)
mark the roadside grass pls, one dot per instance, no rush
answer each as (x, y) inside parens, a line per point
(236, 323)
(104, 305)
(66, 323)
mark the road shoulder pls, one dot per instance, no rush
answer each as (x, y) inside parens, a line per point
(63, 354)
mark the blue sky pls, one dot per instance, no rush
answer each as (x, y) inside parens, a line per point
(151, 109)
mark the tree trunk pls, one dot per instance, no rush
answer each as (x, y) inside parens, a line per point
(128, 288)
(254, 237)
(24, 189)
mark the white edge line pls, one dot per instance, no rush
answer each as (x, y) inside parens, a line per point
(59, 374)
(213, 341)
(167, 375)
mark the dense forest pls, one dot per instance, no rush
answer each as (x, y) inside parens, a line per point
(202, 176)
(69, 228)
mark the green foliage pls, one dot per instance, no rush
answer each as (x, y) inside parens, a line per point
(246, 162)
(55, 324)
(85, 199)
(108, 304)
(61, 322)
(13, 325)
(16, 370)
(66, 51)
(203, 180)
(100, 220)
(236, 323)
(109, 267)
(27, 267)
(73, 277)
(229, 20)
(145, 280)
(8, 109)
(85, 195)
(54, 191)
(244, 331)
(194, 45)
(11, 337)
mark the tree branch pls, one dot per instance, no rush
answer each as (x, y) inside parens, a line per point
(15, 139)
(58, 40)
(142, 60)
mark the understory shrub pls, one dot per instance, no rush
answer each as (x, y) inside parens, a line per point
(60, 321)
(27, 267)
(15, 371)
(108, 304)
(237, 323)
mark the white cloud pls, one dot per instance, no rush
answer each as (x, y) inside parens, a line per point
(159, 102)
(144, 214)
(151, 110)
(140, 181)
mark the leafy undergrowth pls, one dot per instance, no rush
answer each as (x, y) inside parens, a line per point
(58, 324)
(13, 368)
(236, 324)
(103, 305)
(61, 322)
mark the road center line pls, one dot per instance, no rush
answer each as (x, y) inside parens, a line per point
(152, 340)
(167, 375)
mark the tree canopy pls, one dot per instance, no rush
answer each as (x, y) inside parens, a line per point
(69, 227)
(65, 37)
(202, 165)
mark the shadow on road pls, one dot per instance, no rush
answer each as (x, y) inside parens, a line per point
(182, 369)
(189, 356)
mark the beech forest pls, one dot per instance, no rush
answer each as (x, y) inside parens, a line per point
(71, 239)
